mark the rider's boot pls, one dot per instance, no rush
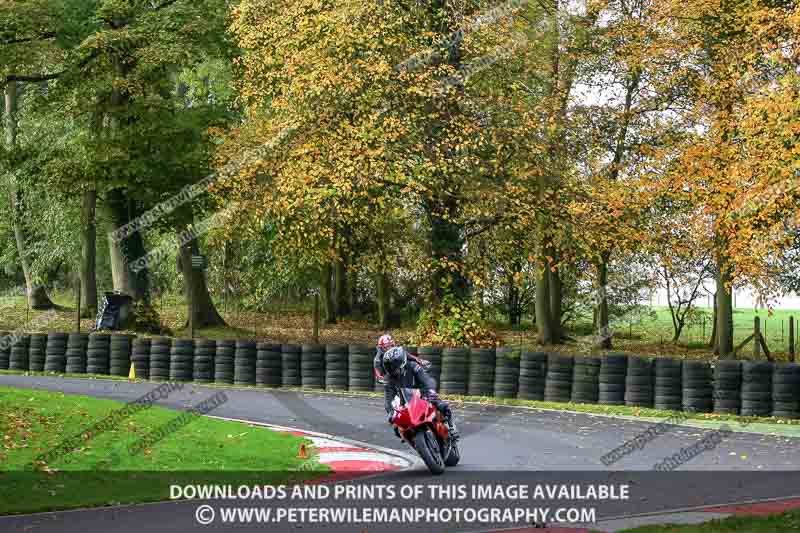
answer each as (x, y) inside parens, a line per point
(451, 426)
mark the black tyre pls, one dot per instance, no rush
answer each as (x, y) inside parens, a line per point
(427, 445)
(454, 455)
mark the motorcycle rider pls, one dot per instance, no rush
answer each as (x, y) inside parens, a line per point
(404, 373)
(385, 343)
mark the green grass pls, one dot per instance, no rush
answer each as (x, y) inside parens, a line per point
(696, 335)
(789, 521)
(102, 472)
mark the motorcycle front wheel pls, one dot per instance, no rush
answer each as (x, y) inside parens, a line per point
(454, 456)
(428, 448)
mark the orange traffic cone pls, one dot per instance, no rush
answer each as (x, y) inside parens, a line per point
(302, 453)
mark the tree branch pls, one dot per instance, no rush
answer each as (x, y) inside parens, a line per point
(488, 223)
(42, 37)
(33, 78)
(165, 4)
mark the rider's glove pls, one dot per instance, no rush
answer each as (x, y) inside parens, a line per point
(431, 395)
(391, 418)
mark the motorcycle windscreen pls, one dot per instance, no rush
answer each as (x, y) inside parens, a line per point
(419, 411)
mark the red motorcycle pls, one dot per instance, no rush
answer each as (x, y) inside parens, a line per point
(422, 426)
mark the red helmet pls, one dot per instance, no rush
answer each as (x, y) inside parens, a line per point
(385, 342)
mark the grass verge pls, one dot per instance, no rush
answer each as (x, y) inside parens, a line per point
(103, 471)
(789, 521)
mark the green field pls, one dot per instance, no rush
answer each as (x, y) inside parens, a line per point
(103, 471)
(659, 330)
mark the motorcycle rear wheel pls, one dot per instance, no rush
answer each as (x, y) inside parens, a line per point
(428, 448)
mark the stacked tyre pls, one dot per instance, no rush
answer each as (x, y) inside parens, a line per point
(611, 381)
(757, 388)
(120, 355)
(181, 361)
(558, 383)
(455, 371)
(786, 391)
(203, 365)
(98, 353)
(268, 364)
(223, 361)
(160, 348)
(37, 348)
(482, 363)
(5, 349)
(639, 382)
(290, 365)
(698, 390)
(727, 387)
(506, 373)
(667, 393)
(56, 353)
(18, 356)
(532, 375)
(359, 367)
(336, 373)
(312, 366)
(433, 354)
(244, 363)
(76, 353)
(586, 380)
(140, 357)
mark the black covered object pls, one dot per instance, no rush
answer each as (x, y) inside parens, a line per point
(108, 317)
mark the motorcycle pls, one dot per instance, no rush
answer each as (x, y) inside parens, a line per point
(422, 426)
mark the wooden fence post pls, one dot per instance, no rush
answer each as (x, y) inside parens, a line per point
(791, 337)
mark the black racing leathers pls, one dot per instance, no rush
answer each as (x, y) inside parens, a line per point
(414, 377)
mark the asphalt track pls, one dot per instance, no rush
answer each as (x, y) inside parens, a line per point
(499, 444)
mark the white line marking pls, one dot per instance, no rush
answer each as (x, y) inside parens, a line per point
(331, 457)
(323, 442)
(411, 459)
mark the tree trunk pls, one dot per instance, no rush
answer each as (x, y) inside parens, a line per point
(352, 290)
(556, 294)
(673, 313)
(89, 255)
(121, 210)
(327, 294)
(446, 243)
(36, 293)
(601, 305)
(513, 302)
(195, 288)
(382, 286)
(340, 287)
(712, 343)
(724, 311)
(678, 329)
(544, 319)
